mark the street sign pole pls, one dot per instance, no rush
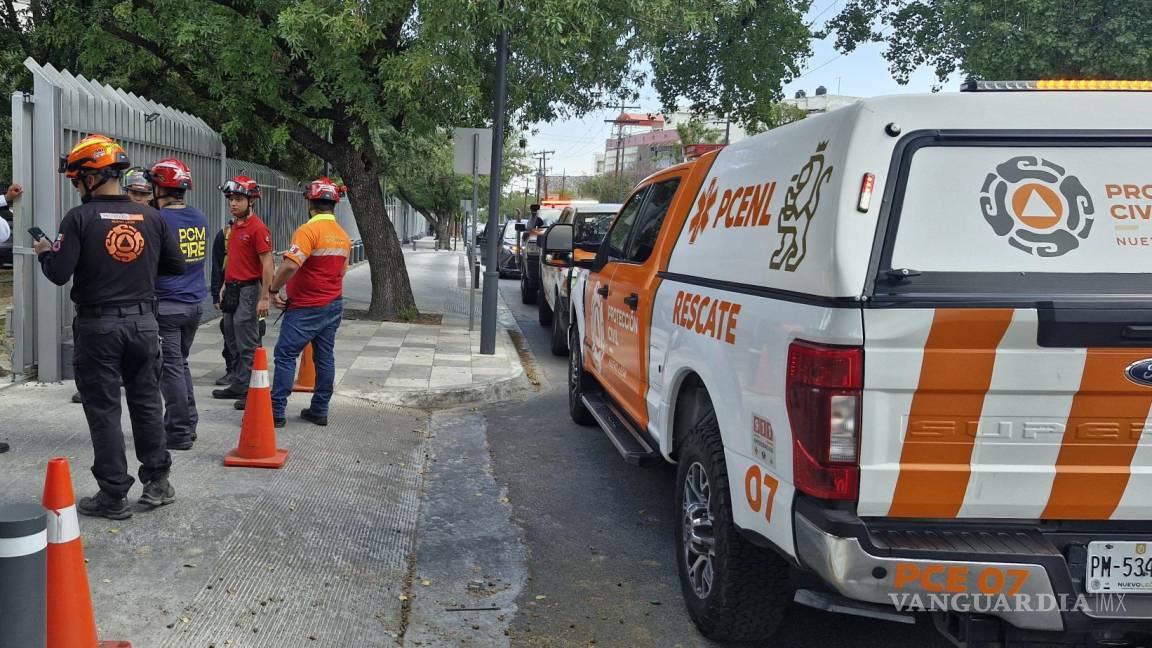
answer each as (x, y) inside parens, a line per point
(491, 273)
(472, 242)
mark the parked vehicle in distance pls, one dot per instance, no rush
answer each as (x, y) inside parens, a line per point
(902, 350)
(590, 223)
(548, 213)
(509, 253)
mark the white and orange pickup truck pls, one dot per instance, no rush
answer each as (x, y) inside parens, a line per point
(903, 349)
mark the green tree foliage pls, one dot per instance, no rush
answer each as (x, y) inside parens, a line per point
(1003, 39)
(695, 131)
(610, 187)
(729, 57)
(296, 83)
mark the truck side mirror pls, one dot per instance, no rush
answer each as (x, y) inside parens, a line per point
(558, 239)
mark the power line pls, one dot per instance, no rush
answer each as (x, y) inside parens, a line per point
(824, 11)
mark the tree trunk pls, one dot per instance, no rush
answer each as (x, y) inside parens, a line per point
(443, 238)
(360, 169)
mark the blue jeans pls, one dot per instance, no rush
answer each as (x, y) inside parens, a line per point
(301, 326)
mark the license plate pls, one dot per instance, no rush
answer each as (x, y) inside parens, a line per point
(1119, 567)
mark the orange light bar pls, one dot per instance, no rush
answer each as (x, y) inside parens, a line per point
(1094, 84)
(1101, 85)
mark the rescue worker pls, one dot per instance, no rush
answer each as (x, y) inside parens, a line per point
(247, 187)
(179, 299)
(219, 258)
(313, 274)
(137, 186)
(6, 200)
(139, 190)
(113, 250)
(244, 298)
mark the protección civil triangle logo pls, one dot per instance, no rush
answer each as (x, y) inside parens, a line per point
(1037, 206)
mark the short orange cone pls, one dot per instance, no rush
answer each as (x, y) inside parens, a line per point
(71, 623)
(257, 448)
(306, 379)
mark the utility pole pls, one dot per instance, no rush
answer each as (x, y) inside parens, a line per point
(542, 173)
(491, 273)
(620, 134)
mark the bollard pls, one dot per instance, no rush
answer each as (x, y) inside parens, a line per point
(476, 276)
(23, 576)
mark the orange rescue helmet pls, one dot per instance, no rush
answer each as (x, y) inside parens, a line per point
(94, 154)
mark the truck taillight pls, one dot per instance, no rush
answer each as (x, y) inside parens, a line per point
(824, 395)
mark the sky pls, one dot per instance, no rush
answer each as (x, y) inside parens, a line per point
(863, 73)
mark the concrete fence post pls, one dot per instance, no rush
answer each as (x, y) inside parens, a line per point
(23, 576)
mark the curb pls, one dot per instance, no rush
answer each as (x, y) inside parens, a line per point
(505, 389)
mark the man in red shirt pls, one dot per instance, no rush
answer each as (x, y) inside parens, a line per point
(244, 298)
(313, 273)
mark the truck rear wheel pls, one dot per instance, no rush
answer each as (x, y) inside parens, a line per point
(578, 380)
(734, 590)
(543, 310)
(559, 341)
(527, 292)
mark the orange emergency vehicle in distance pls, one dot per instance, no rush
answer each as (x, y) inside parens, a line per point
(905, 348)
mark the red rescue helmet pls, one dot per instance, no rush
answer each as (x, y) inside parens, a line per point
(94, 154)
(241, 186)
(171, 173)
(324, 189)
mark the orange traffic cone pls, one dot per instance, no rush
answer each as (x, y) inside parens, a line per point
(257, 448)
(306, 379)
(71, 623)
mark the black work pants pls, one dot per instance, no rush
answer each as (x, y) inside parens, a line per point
(178, 323)
(111, 351)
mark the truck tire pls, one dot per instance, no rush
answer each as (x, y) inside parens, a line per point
(579, 380)
(749, 587)
(559, 341)
(543, 310)
(527, 292)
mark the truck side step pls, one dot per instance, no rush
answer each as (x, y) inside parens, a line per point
(633, 445)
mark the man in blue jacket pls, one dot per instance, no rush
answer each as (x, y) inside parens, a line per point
(179, 299)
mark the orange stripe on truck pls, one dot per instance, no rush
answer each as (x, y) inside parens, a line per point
(954, 378)
(1104, 427)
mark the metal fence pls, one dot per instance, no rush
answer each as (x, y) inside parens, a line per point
(63, 109)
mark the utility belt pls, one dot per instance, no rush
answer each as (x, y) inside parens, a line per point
(118, 310)
(230, 301)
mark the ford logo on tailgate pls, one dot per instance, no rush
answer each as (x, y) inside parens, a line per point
(1140, 372)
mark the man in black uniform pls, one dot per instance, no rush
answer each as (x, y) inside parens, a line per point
(113, 250)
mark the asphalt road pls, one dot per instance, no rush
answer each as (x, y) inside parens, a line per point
(599, 533)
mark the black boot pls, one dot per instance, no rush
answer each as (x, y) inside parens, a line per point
(307, 415)
(158, 492)
(228, 393)
(104, 505)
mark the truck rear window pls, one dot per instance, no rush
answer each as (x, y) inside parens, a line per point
(1020, 218)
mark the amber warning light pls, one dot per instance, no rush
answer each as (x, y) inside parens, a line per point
(866, 187)
(1103, 85)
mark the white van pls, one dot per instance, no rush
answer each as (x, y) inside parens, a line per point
(904, 348)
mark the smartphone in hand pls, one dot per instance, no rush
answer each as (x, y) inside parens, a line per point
(37, 233)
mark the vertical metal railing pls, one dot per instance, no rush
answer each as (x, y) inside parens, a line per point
(64, 108)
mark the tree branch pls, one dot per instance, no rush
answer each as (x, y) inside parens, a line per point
(403, 194)
(303, 133)
(13, 20)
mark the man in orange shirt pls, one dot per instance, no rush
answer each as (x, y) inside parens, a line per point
(313, 274)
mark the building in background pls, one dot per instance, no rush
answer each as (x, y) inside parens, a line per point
(651, 141)
(822, 102)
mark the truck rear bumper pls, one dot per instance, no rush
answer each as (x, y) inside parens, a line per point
(1027, 575)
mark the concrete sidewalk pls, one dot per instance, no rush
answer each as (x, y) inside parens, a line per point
(320, 553)
(411, 365)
